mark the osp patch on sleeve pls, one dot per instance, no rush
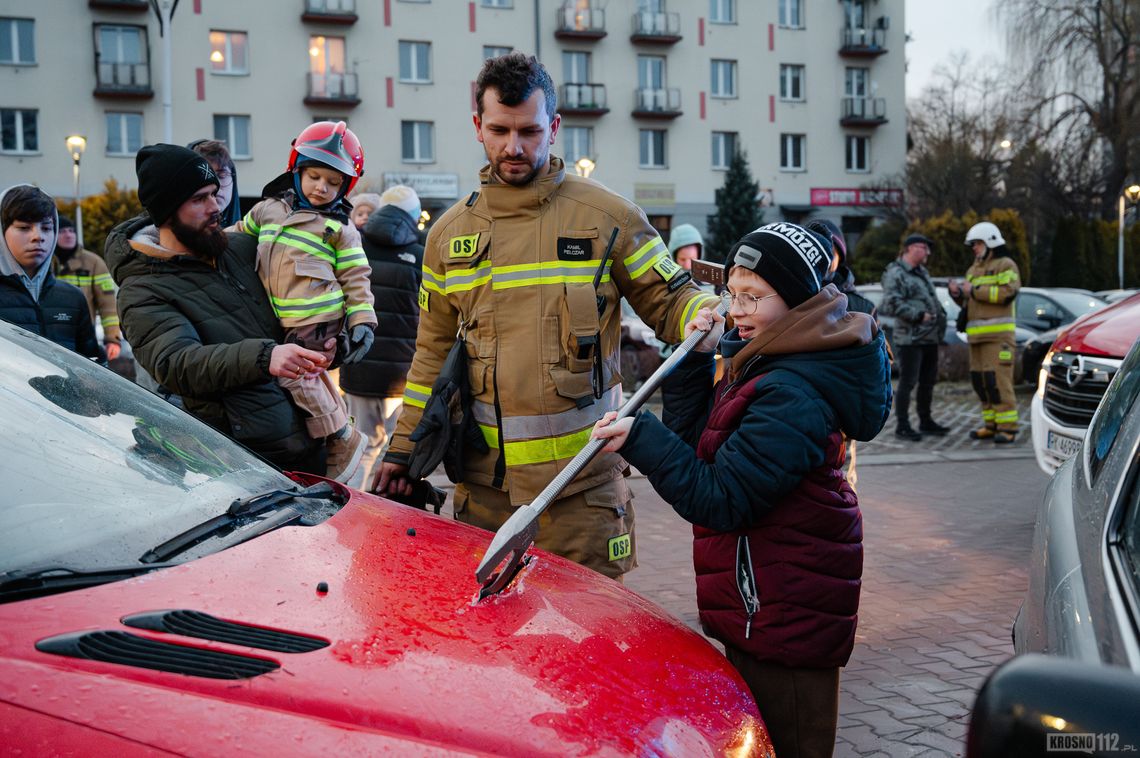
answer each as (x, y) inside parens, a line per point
(463, 246)
(666, 267)
(620, 547)
(425, 301)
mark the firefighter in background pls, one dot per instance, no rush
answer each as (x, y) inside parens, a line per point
(512, 267)
(88, 272)
(988, 295)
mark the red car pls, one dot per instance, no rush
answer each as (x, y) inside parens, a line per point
(164, 590)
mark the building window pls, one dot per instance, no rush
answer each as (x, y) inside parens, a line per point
(791, 82)
(416, 140)
(121, 53)
(723, 78)
(577, 142)
(234, 131)
(652, 148)
(498, 3)
(415, 62)
(17, 41)
(855, 82)
(855, 14)
(575, 67)
(722, 11)
(858, 154)
(792, 149)
(792, 14)
(229, 53)
(18, 131)
(124, 133)
(495, 51)
(723, 148)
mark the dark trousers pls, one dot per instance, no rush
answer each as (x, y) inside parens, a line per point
(918, 364)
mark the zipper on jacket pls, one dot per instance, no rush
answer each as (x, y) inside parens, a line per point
(746, 581)
(501, 461)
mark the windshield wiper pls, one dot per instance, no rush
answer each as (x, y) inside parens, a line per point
(21, 584)
(240, 509)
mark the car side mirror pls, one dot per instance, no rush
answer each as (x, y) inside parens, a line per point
(1038, 705)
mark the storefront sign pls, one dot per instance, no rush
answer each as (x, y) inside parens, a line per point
(856, 196)
(439, 186)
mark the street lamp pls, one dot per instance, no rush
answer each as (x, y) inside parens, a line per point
(76, 144)
(1132, 193)
(584, 167)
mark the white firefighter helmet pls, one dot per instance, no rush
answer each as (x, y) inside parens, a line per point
(987, 233)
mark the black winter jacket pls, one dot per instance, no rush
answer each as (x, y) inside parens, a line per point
(61, 315)
(206, 334)
(391, 242)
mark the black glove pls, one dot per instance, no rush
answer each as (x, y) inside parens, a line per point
(359, 342)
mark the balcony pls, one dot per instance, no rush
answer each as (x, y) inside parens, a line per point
(656, 28)
(660, 104)
(582, 99)
(123, 80)
(342, 12)
(863, 111)
(862, 43)
(119, 5)
(332, 89)
(574, 23)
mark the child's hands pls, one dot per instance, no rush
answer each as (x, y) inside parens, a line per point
(292, 361)
(709, 319)
(615, 431)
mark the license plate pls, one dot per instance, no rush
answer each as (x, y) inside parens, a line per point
(1064, 446)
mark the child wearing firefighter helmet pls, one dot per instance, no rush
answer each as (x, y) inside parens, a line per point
(754, 462)
(312, 265)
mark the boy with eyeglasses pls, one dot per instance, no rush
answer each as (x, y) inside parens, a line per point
(755, 464)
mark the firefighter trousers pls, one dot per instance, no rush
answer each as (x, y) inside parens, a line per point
(593, 527)
(991, 373)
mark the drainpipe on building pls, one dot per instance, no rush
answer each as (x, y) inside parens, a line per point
(537, 33)
(164, 9)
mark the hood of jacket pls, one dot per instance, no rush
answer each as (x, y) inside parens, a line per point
(8, 264)
(841, 354)
(390, 227)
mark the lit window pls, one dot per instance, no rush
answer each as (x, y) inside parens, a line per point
(229, 52)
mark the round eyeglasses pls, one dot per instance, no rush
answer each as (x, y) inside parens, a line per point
(745, 302)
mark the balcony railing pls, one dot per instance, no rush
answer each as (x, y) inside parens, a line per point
(332, 89)
(123, 79)
(863, 111)
(576, 23)
(330, 11)
(583, 99)
(664, 28)
(119, 5)
(862, 42)
(657, 103)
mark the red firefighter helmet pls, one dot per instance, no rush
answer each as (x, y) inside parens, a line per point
(331, 144)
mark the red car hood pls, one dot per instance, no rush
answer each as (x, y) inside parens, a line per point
(1110, 331)
(564, 662)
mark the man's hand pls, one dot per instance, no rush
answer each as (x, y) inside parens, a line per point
(293, 361)
(391, 479)
(927, 317)
(709, 320)
(359, 343)
(617, 432)
(113, 350)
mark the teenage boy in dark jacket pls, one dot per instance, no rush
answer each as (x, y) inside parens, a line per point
(194, 310)
(754, 464)
(30, 295)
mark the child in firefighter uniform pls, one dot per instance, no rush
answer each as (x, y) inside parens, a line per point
(755, 464)
(311, 262)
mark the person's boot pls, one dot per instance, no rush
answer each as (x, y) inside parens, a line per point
(907, 433)
(1004, 438)
(345, 449)
(930, 426)
(983, 433)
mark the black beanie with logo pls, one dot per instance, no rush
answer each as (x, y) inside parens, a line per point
(168, 175)
(787, 256)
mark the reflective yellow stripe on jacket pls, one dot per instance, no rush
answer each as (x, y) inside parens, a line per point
(509, 277)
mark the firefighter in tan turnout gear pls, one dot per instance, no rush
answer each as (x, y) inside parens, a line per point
(988, 295)
(512, 269)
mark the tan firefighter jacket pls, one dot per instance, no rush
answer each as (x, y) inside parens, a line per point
(990, 307)
(512, 269)
(312, 266)
(88, 272)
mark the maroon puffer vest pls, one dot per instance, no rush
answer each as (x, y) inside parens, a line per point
(785, 590)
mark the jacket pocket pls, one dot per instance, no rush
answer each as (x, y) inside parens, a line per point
(309, 267)
(573, 385)
(581, 326)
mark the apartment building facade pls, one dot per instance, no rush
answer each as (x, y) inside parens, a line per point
(655, 93)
